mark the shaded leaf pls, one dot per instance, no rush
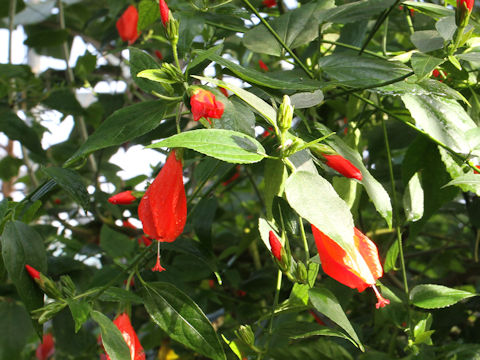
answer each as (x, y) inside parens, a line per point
(71, 182)
(112, 338)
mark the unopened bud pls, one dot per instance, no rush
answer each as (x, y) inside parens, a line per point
(301, 273)
(172, 28)
(285, 114)
(246, 334)
(463, 11)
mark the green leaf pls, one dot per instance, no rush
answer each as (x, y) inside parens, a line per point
(115, 294)
(15, 330)
(157, 75)
(182, 319)
(225, 145)
(3, 208)
(22, 245)
(64, 101)
(424, 64)
(71, 182)
(147, 14)
(467, 179)
(375, 190)
(413, 199)
(80, 312)
(139, 61)
(353, 70)
(295, 28)
(9, 167)
(236, 116)
(322, 207)
(265, 110)
(356, 11)
(307, 100)
(275, 177)
(16, 129)
(432, 10)
(301, 330)
(116, 244)
(326, 303)
(427, 40)
(391, 258)
(123, 125)
(190, 26)
(256, 77)
(446, 27)
(112, 338)
(443, 119)
(431, 296)
(46, 38)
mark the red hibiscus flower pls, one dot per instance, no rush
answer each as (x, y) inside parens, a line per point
(203, 104)
(125, 326)
(46, 348)
(127, 25)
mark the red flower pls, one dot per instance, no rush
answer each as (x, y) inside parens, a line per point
(163, 208)
(475, 171)
(34, 273)
(123, 198)
(203, 104)
(358, 272)
(158, 54)
(262, 65)
(125, 326)
(234, 177)
(269, 3)
(46, 348)
(164, 12)
(275, 245)
(127, 25)
(467, 3)
(343, 166)
(267, 132)
(316, 317)
(145, 240)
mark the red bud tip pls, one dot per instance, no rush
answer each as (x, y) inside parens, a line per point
(127, 25)
(275, 245)
(381, 300)
(34, 273)
(262, 65)
(158, 54)
(467, 3)
(164, 12)
(224, 91)
(269, 3)
(203, 104)
(343, 166)
(123, 198)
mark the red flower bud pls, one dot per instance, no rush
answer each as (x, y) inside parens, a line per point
(224, 91)
(164, 12)
(343, 166)
(127, 25)
(275, 245)
(158, 54)
(262, 65)
(34, 273)
(46, 348)
(125, 326)
(203, 104)
(467, 3)
(269, 3)
(123, 198)
(358, 270)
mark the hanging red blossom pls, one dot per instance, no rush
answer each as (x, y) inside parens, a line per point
(358, 271)
(343, 166)
(46, 348)
(203, 104)
(127, 25)
(125, 326)
(275, 245)
(269, 3)
(262, 65)
(122, 198)
(163, 208)
(164, 12)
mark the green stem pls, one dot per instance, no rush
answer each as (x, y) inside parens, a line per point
(385, 83)
(278, 38)
(395, 208)
(167, 98)
(175, 55)
(451, 151)
(378, 24)
(384, 39)
(178, 117)
(272, 315)
(409, 19)
(352, 47)
(304, 238)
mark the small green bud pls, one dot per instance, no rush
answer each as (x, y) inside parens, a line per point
(285, 114)
(301, 273)
(172, 28)
(246, 334)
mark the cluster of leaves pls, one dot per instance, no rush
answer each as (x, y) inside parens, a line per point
(394, 91)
